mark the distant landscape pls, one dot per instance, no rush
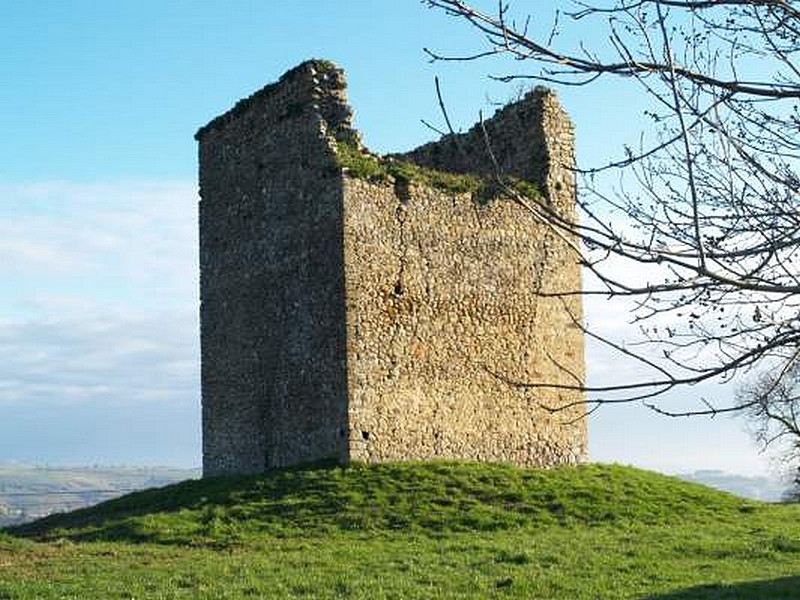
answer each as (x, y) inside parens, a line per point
(29, 492)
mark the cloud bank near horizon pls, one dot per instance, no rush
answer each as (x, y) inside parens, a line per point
(99, 299)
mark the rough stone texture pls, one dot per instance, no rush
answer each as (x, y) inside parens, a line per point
(272, 280)
(531, 139)
(368, 320)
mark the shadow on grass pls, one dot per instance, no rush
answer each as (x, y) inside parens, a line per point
(186, 511)
(313, 500)
(784, 588)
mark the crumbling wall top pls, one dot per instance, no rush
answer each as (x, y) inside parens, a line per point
(530, 140)
(518, 140)
(314, 83)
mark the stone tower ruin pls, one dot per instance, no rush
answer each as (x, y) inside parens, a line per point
(367, 308)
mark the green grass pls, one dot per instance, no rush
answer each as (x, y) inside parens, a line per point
(433, 530)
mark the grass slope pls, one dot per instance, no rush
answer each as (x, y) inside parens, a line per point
(432, 530)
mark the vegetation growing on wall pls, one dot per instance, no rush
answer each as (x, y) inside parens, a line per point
(362, 164)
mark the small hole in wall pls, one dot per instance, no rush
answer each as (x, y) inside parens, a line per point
(365, 435)
(342, 433)
(398, 289)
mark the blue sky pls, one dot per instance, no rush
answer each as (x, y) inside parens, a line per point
(99, 359)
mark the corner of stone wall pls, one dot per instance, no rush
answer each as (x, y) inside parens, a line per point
(271, 275)
(557, 178)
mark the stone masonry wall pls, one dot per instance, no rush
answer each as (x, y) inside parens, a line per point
(442, 296)
(532, 139)
(353, 319)
(271, 278)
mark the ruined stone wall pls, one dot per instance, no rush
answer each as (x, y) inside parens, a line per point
(271, 278)
(373, 319)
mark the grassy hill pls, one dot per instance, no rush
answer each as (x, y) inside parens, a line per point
(432, 530)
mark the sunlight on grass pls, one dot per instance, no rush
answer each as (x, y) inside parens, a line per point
(443, 530)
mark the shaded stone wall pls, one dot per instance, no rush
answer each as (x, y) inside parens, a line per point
(352, 319)
(271, 278)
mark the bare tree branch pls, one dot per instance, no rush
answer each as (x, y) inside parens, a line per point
(698, 227)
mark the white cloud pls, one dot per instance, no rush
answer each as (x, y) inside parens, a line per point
(119, 243)
(117, 359)
(99, 293)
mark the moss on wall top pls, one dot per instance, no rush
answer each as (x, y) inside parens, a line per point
(359, 163)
